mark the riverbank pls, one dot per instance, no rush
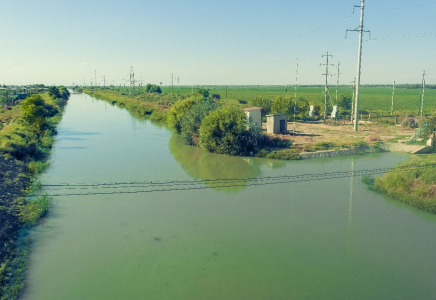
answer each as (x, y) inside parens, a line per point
(26, 139)
(412, 182)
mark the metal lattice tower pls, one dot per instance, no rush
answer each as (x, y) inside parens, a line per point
(132, 82)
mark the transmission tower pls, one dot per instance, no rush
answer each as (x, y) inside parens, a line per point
(95, 78)
(326, 81)
(361, 30)
(422, 93)
(132, 82)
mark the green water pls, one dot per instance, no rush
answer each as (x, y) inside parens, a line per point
(327, 239)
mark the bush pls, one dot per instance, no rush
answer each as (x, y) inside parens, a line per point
(179, 109)
(266, 104)
(191, 121)
(282, 105)
(224, 131)
(35, 112)
(153, 88)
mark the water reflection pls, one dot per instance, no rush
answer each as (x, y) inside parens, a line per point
(211, 167)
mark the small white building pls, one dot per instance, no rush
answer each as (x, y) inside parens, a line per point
(254, 116)
(276, 124)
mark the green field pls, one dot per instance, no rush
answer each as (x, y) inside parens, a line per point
(372, 99)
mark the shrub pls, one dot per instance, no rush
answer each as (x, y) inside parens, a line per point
(264, 103)
(178, 110)
(224, 131)
(282, 105)
(153, 88)
(35, 112)
(191, 121)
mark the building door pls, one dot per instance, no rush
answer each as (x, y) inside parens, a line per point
(283, 126)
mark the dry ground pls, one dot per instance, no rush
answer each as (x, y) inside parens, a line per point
(340, 134)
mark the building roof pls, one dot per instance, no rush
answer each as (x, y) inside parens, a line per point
(251, 108)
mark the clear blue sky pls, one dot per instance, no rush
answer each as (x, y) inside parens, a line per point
(214, 42)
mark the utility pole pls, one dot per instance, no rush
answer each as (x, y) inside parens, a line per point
(172, 83)
(422, 93)
(393, 93)
(95, 78)
(361, 30)
(104, 82)
(295, 94)
(326, 81)
(226, 91)
(337, 83)
(286, 91)
(178, 93)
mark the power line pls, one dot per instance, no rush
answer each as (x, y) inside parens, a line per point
(168, 186)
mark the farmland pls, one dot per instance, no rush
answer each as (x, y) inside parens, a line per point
(372, 98)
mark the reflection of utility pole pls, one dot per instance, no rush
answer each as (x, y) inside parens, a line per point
(352, 100)
(422, 93)
(350, 206)
(295, 94)
(326, 82)
(393, 93)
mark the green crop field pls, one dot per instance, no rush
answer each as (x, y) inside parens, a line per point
(372, 98)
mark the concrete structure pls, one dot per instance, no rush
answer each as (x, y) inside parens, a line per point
(276, 124)
(254, 115)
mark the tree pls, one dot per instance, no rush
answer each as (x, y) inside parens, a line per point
(63, 91)
(178, 110)
(282, 105)
(345, 102)
(34, 112)
(266, 104)
(224, 131)
(54, 92)
(153, 88)
(202, 92)
(192, 119)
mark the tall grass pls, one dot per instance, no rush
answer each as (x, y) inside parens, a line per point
(412, 182)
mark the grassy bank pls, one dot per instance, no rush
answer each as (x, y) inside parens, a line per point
(25, 143)
(153, 106)
(412, 182)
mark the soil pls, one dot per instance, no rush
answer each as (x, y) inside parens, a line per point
(317, 132)
(12, 183)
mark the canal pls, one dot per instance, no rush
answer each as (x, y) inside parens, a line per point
(214, 239)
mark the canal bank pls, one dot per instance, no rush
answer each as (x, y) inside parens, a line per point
(317, 239)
